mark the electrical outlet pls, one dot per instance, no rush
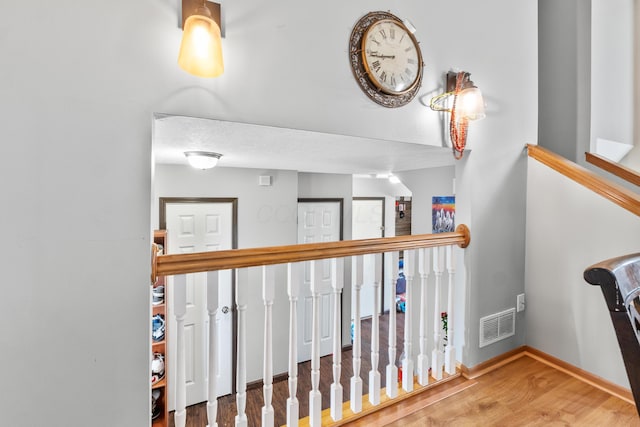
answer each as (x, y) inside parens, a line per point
(520, 304)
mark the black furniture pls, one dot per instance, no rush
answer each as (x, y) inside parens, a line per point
(619, 279)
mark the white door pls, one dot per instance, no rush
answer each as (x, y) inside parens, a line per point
(317, 222)
(200, 227)
(367, 222)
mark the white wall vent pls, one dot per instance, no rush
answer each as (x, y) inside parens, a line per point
(498, 326)
(264, 180)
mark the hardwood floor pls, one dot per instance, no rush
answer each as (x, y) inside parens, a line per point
(525, 392)
(197, 414)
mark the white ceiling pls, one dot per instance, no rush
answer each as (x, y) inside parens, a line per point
(265, 147)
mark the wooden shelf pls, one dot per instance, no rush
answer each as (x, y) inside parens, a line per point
(158, 309)
(161, 383)
(160, 421)
(160, 238)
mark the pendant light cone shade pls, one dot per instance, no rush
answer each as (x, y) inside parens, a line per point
(201, 47)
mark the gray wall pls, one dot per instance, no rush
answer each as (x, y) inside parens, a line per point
(424, 185)
(568, 229)
(266, 214)
(612, 76)
(564, 37)
(78, 93)
(586, 69)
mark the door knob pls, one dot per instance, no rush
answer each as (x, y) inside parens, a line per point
(225, 309)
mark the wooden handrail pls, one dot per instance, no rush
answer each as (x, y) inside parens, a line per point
(616, 193)
(616, 169)
(168, 265)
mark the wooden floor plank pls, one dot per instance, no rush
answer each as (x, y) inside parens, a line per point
(526, 392)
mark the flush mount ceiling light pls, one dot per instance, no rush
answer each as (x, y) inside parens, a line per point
(394, 179)
(467, 105)
(202, 159)
(201, 47)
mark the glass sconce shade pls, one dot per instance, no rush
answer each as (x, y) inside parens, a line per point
(201, 47)
(463, 100)
(471, 103)
(202, 159)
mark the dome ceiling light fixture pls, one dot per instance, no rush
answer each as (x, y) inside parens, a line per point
(202, 159)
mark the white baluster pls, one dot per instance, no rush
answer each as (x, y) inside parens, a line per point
(212, 306)
(437, 357)
(374, 269)
(293, 289)
(392, 369)
(356, 381)
(337, 283)
(424, 265)
(450, 351)
(407, 362)
(242, 296)
(268, 290)
(180, 310)
(315, 398)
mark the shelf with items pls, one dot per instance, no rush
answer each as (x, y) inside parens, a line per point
(160, 383)
(159, 365)
(158, 347)
(158, 309)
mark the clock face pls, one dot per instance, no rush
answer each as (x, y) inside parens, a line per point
(391, 56)
(385, 59)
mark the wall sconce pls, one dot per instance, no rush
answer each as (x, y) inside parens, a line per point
(201, 47)
(202, 159)
(467, 105)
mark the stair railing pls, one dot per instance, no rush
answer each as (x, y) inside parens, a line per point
(433, 252)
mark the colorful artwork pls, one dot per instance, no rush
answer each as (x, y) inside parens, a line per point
(443, 214)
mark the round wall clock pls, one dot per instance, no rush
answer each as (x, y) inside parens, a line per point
(385, 59)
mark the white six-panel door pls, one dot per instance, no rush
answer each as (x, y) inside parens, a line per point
(367, 222)
(317, 222)
(200, 227)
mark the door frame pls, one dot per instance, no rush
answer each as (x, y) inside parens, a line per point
(162, 225)
(384, 229)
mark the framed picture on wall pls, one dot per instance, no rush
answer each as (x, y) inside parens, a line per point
(443, 214)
